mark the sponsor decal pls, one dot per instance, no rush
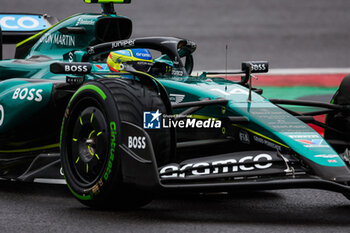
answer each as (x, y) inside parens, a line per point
(260, 162)
(76, 68)
(234, 91)
(66, 113)
(28, 94)
(309, 140)
(91, 50)
(71, 57)
(176, 98)
(267, 143)
(74, 80)
(326, 156)
(305, 136)
(151, 120)
(58, 39)
(329, 157)
(142, 54)
(244, 136)
(259, 67)
(102, 67)
(123, 43)
(136, 142)
(287, 126)
(312, 142)
(113, 128)
(82, 21)
(22, 23)
(95, 189)
(2, 115)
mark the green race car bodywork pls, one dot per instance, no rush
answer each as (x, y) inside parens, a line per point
(33, 101)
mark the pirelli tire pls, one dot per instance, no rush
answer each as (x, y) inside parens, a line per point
(90, 137)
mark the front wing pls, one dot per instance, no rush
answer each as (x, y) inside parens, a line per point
(250, 170)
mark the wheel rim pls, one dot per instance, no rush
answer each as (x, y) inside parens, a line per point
(89, 146)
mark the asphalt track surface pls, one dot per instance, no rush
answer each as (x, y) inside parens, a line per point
(290, 34)
(51, 208)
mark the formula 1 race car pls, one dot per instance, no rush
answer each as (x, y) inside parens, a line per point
(121, 135)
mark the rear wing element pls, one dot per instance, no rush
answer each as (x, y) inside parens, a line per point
(17, 27)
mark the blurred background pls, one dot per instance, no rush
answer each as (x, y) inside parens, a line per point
(289, 34)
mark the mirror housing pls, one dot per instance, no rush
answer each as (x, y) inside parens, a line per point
(256, 66)
(251, 67)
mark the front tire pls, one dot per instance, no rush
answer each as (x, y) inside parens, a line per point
(90, 136)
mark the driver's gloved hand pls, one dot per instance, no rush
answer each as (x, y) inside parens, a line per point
(160, 68)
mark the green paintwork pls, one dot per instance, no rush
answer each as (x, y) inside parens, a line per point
(20, 99)
(264, 117)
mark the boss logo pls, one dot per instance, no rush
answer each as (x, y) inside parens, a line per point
(258, 67)
(70, 68)
(76, 68)
(136, 142)
(28, 94)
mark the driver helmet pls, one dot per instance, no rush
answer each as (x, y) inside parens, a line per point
(139, 59)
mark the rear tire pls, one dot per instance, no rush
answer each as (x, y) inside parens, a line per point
(90, 137)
